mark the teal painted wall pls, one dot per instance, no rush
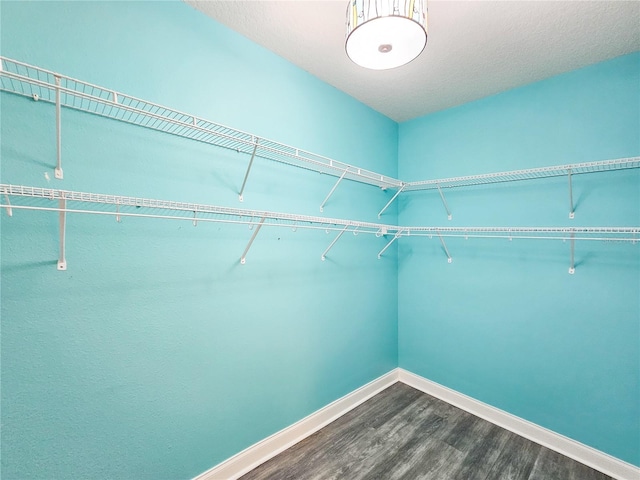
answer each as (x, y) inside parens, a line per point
(505, 323)
(156, 354)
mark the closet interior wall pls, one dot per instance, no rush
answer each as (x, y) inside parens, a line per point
(157, 354)
(504, 323)
(159, 322)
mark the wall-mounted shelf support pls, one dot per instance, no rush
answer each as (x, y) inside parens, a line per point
(62, 218)
(118, 218)
(8, 207)
(446, 250)
(392, 199)
(571, 209)
(324, 254)
(332, 190)
(243, 259)
(246, 175)
(395, 237)
(444, 201)
(572, 267)
(58, 170)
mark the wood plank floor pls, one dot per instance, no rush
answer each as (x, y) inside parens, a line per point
(402, 433)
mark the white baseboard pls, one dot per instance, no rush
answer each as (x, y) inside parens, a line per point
(262, 451)
(582, 453)
(250, 458)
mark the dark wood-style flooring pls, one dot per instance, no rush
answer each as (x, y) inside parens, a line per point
(402, 433)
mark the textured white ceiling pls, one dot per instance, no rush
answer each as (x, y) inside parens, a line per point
(475, 48)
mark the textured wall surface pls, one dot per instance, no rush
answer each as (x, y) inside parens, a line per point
(156, 354)
(505, 323)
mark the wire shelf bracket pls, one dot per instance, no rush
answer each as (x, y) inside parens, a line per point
(243, 259)
(571, 207)
(444, 202)
(395, 237)
(324, 254)
(62, 220)
(8, 207)
(324, 202)
(402, 187)
(57, 172)
(246, 175)
(572, 266)
(444, 246)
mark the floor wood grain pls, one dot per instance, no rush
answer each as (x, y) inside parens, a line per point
(404, 434)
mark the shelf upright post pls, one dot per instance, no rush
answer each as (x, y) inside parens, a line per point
(243, 259)
(58, 170)
(62, 204)
(332, 190)
(446, 250)
(392, 199)
(444, 202)
(246, 175)
(572, 267)
(324, 254)
(395, 237)
(571, 211)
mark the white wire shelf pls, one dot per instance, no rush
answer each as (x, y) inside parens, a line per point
(124, 206)
(617, 234)
(44, 85)
(40, 84)
(518, 175)
(134, 206)
(527, 174)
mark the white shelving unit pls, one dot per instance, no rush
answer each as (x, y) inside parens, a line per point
(47, 86)
(66, 201)
(43, 85)
(518, 175)
(122, 206)
(528, 174)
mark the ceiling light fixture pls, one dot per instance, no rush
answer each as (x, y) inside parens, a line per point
(383, 34)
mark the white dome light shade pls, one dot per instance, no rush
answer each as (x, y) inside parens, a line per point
(383, 34)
